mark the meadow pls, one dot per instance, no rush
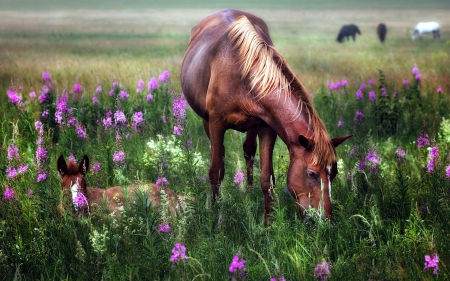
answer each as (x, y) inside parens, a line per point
(96, 79)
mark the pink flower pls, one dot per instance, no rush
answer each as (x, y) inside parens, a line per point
(239, 177)
(161, 182)
(415, 70)
(46, 77)
(152, 84)
(431, 263)
(439, 90)
(32, 95)
(8, 194)
(77, 89)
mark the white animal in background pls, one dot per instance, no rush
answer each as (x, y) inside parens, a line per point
(427, 27)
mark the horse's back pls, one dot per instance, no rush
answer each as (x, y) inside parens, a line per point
(210, 53)
(427, 26)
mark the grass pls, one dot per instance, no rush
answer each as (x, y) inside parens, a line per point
(384, 223)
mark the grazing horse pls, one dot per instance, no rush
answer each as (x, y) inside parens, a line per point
(85, 199)
(427, 27)
(233, 77)
(347, 31)
(381, 31)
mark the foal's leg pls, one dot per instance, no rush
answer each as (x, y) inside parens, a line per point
(267, 138)
(249, 154)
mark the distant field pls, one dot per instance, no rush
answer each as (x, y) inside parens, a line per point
(109, 40)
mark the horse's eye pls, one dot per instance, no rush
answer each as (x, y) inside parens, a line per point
(312, 174)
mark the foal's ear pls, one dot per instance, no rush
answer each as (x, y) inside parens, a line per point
(84, 165)
(62, 166)
(305, 142)
(338, 140)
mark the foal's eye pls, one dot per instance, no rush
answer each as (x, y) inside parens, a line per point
(312, 174)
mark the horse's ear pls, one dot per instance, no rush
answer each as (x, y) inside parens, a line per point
(84, 165)
(62, 166)
(305, 142)
(338, 140)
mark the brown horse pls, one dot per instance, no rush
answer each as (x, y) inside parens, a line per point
(234, 78)
(74, 185)
(381, 31)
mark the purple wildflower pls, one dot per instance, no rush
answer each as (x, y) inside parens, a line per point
(80, 201)
(119, 158)
(22, 169)
(152, 84)
(363, 86)
(41, 177)
(415, 70)
(164, 119)
(138, 120)
(361, 165)
(164, 228)
(41, 154)
(178, 108)
(400, 154)
(371, 82)
(37, 125)
(13, 152)
(115, 84)
(434, 158)
(372, 157)
(359, 95)
(30, 193)
(238, 177)
(8, 194)
(111, 92)
(123, 95)
(81, 133)
(71, 121)
(14, 98)
(32, 95)
(418, 77)
(431, 263)
(94, 100)
(107, 122)
(423, 140)
(311, 96)
(178, 253)
(275, 279)
(447, 172)
(237, 267)
(77, 89)
(139, 86)
(149, 97)
(372, 96)
(161, 182)
(439, 90)
(340, 123)
(322, 270)
(177, 130)
(72, 159)
(119, 118)
(405, 82)
(98, 90)
(344, 83)
(359, 116)
(12, 173)
(46, 77)
(96, 168)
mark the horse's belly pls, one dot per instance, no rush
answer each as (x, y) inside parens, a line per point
(242, 123)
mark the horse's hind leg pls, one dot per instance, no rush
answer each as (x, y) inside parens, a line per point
(249, 154)
(267, 138)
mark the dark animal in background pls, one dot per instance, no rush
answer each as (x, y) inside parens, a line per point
(381, 31)
(347, 31)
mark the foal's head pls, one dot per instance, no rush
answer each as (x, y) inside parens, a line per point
(73, 182)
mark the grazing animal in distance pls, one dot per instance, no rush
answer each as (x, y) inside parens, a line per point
(233, 78)
(86, 199)
(347, 31)
(427, 27)
(382, 31)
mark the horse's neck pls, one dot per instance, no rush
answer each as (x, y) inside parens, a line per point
(287, 118)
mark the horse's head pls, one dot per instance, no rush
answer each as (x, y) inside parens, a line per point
(415, 33)
(73, 182)
(309, 183)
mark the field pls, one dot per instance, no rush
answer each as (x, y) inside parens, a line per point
(391, 208)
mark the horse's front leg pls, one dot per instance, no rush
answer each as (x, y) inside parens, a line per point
(249, 154)
(267, 138)
(216, 134)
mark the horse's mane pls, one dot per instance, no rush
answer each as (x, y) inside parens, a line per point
(271, 73)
